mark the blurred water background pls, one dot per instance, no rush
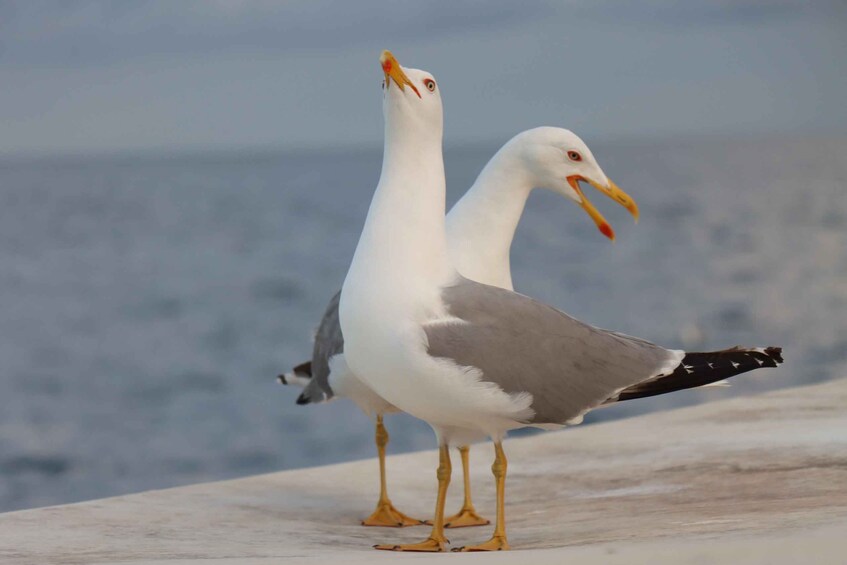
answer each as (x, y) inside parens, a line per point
(148, 303)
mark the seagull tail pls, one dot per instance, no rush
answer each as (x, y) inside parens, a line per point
(702, 369)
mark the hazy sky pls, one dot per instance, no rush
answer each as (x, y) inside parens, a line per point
(85, 76)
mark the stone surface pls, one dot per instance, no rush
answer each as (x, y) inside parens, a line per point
(749, 480)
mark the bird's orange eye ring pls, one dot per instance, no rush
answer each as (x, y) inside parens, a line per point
(574, 156)
(429, 84)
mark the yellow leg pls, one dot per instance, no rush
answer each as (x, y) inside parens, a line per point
(498, 540)
(467, 516)
(436, 539)
(385, 513)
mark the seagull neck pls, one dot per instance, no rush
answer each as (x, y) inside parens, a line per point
(481, 225)
(404, 236)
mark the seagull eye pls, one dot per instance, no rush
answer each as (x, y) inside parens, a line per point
(383, 85)
(429, 84)
(574, 156)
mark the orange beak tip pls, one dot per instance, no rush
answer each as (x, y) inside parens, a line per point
(606, 230)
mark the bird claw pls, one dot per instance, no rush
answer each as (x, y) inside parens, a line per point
(387, 516)
(428, 545)
(496, 543)
(466, 517)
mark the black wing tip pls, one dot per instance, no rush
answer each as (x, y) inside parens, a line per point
(774, 353)
(304, 368)
(303, 399)
(702, 368)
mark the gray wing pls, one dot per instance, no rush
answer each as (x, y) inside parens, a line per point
(525, 346)
(328, 342)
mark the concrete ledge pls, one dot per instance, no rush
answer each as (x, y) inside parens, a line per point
(749, 480)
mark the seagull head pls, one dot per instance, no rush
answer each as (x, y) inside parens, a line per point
(411, 98)
(558, 160)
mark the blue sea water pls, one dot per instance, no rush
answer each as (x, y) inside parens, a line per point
(149, 302)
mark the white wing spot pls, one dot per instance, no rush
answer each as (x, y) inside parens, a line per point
(735, 365)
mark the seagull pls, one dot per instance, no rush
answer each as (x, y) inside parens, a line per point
(480, 230)
(470, 359)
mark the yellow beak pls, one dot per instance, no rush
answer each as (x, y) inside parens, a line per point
(393, 71)
(613, 192)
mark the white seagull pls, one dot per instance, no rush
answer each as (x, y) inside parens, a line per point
(470, 359)
(480, 230)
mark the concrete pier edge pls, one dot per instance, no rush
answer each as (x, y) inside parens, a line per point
(755, 479)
